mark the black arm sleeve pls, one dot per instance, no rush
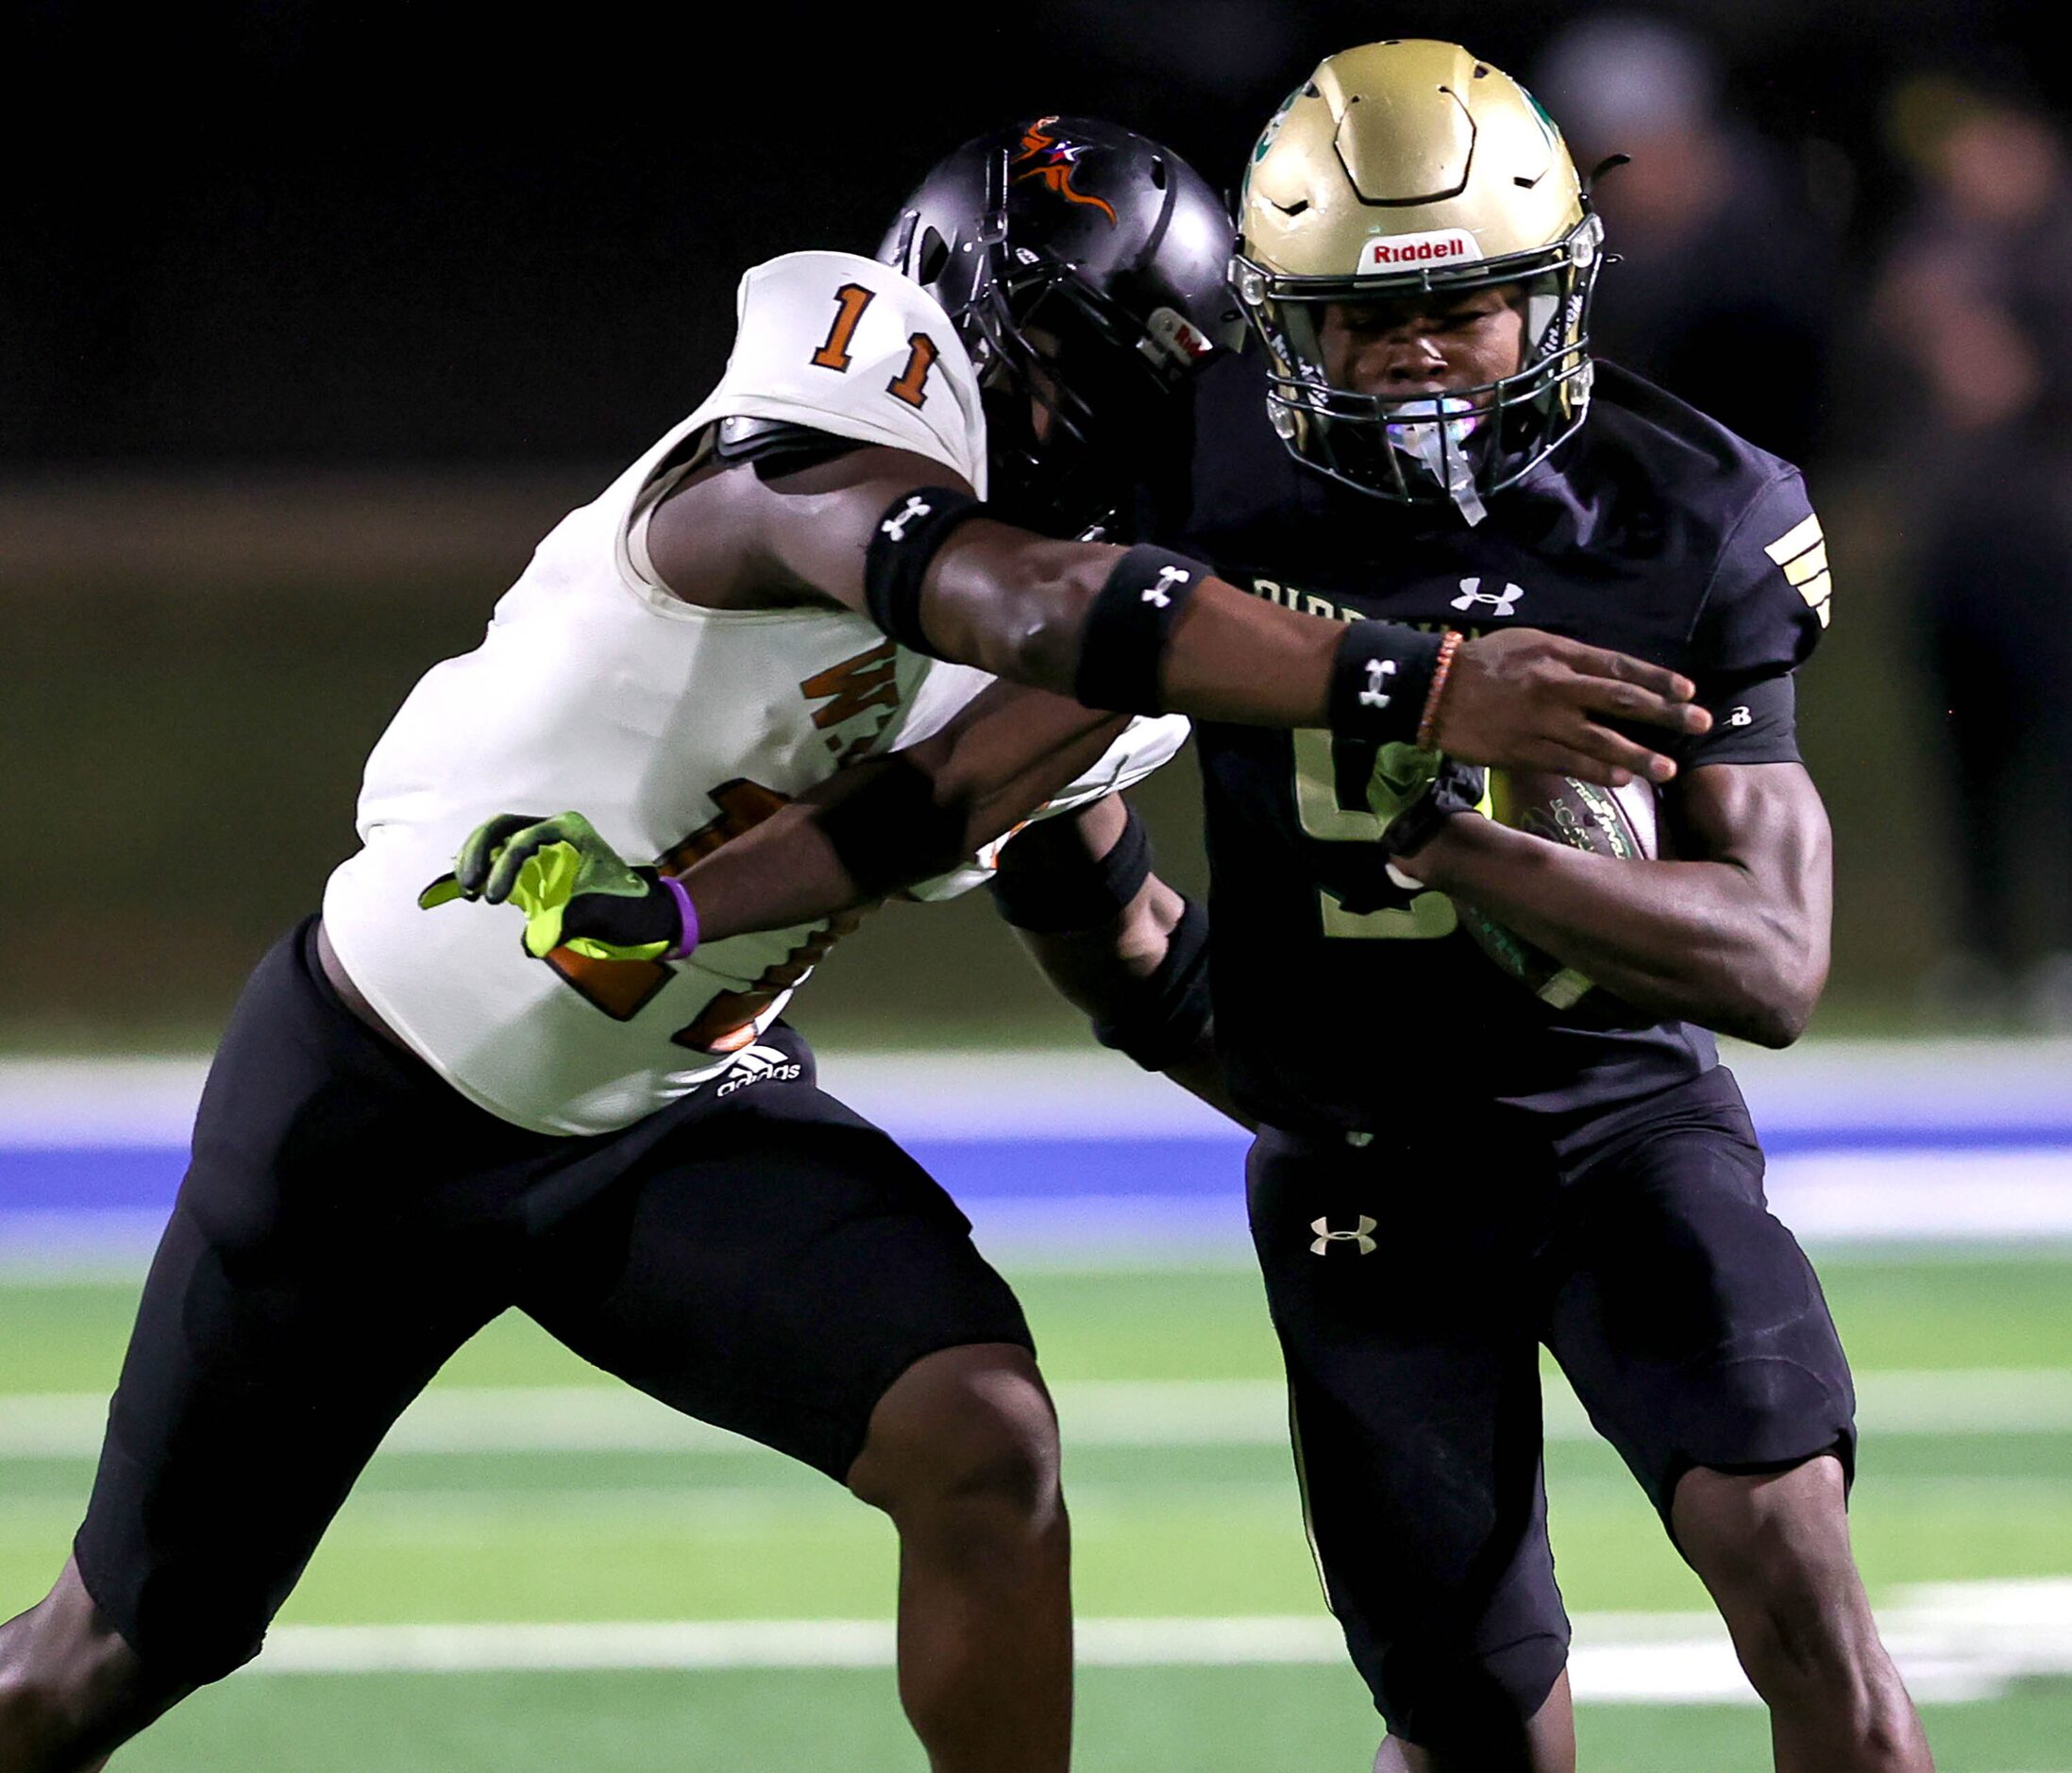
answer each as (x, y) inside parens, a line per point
(1752, 723)
(1162, 1020)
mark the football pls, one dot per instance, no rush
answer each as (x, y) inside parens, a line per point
(1618, 822)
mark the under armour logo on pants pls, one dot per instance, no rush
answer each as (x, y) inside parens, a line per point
(1359, 1235)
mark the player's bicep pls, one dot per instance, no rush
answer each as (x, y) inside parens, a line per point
(743, 534)
(1766, 821)
(811, 530)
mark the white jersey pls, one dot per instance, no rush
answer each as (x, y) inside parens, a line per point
(670, 726)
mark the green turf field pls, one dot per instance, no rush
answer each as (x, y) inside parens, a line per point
(530, 1490)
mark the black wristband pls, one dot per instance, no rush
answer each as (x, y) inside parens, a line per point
(1162, 1021)
(630, 922)
(1379, 680)
(1127, 624)
(903, 543)
(1081, 894)
(1457, 788)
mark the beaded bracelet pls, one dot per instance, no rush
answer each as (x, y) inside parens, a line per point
(1428, 722)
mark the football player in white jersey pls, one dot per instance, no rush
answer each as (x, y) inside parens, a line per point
(413, 1124)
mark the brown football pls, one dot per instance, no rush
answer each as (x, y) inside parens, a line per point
(1618, 822)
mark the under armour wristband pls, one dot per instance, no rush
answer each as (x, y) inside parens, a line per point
(1127, 625)
(1379, 682)
(903, 546)
(1166, 1012)
(1081, 894)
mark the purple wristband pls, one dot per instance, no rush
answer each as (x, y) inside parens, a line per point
(687, 913)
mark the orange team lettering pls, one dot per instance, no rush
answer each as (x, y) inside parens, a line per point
(909, 385)
(833, 353)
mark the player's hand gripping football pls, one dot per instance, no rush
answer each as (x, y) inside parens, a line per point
(1526, 700)
(1413, 793)
(574, 888)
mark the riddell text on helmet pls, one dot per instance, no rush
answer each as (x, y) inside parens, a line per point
(1394, 250)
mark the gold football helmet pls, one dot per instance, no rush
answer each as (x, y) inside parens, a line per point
(1402, 168)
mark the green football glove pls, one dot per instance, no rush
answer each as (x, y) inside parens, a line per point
(1414, 792)
(574, 888)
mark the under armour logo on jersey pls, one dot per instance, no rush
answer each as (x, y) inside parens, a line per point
(1161, 592)
(1359, 1235)
(758, 1065)
(895, 526)
(1741, 716)
(1501, 602)
(1378, 672)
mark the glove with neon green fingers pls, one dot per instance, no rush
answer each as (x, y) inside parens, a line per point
(1414, 792)
(574, 888)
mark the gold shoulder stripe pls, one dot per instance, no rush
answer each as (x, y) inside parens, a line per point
(1802, 552)
(1795, 541)
(1812, 563)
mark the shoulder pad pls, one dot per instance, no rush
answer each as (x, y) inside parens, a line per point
(1771, 594)
(851, 347)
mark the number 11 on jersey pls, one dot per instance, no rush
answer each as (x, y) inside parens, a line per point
(911, 384)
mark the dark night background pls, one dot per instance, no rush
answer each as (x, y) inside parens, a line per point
(324, 234)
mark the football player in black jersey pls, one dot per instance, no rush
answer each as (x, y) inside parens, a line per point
(1452, 1170)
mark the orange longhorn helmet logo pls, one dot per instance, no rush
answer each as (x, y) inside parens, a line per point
(1048, 159)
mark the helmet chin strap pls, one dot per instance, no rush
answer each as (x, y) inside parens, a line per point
(1439, 445)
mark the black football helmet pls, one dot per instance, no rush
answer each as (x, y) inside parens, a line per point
(1082, 265)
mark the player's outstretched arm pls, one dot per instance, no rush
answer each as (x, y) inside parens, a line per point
(1117, 941)
(870, 830)
(891, 822)
(1141, 631)
(1735, 939)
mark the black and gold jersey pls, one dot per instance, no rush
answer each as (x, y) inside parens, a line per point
(1654, 531)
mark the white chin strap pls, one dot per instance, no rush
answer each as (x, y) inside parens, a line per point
(1439, 445)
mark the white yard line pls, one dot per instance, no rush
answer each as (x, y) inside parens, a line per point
(1953, 1642)
(952, 1093)
(1113, 1414)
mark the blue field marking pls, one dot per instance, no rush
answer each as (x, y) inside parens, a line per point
(90, 1178)
(1914, 1142)
(1037, 1170)
(130, 1178)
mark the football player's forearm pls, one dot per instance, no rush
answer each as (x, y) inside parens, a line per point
(1016, 606)
(1702, 941)
(793, 869)
(890, 822)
